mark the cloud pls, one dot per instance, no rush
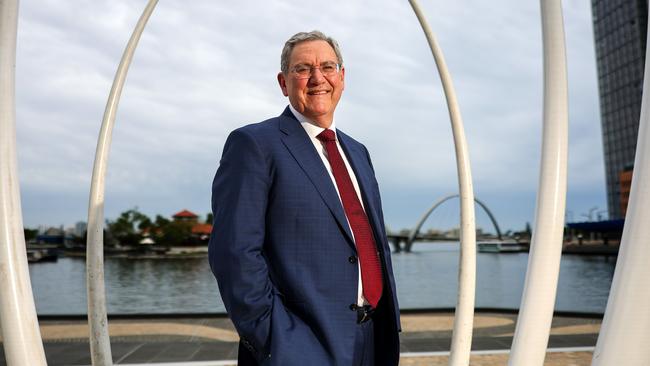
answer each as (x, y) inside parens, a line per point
(204, 68)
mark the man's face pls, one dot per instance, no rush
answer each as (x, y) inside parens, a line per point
(314, 97)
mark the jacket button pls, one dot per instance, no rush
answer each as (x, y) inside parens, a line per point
(352, 259)
(353, 307)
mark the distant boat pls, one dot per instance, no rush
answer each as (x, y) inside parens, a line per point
(498, 246)
(42, 255)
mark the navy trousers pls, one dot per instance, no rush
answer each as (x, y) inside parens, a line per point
(364, 344)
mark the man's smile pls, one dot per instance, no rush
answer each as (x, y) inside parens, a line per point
(318, 92)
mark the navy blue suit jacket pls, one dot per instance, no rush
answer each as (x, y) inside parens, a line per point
(283, 254)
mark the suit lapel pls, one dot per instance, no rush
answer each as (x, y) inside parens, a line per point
(301, 148)
(365, 177)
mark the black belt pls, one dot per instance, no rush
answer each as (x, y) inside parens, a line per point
(364, 313)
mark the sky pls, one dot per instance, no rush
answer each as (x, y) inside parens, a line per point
(204, 68)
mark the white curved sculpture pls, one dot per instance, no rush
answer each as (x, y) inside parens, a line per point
(625, 333)
(461, 341)
(20, 333)
(100, 346)
(538, 299)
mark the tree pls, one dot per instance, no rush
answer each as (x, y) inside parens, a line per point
(209, 218)
(171, 233)
(30, 234)
(127, 229)
(176, 233)
(145, 223)
(130, 227)
(161, 221)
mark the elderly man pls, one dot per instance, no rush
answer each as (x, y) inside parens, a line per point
(299, 246)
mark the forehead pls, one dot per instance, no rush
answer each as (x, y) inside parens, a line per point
(312, 51)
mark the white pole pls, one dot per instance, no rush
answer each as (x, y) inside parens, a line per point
(625, 334)
(20, 333)
(538, 300)
(461, 342)
(100, 346)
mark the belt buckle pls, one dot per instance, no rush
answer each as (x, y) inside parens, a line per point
(364, 313)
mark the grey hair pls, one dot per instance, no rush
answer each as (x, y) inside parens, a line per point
(300, 37)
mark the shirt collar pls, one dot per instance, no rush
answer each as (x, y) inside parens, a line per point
(310, 126)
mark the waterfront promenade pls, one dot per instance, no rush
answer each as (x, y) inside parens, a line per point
(210, 340)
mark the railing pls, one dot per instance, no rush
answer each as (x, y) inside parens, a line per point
(625, 332)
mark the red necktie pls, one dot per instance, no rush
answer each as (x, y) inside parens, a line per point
(363, 237)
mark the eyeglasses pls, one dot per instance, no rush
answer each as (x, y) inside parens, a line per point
(305, 71)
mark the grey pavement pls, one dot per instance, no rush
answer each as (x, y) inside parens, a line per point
(138, 340)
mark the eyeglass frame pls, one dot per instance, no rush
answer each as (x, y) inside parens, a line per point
(312, 68)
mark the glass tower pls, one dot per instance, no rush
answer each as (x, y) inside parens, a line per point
(620, 28)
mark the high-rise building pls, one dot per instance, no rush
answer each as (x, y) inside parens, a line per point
(80, 229)
(620, 28)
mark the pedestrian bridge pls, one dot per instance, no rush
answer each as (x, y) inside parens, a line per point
(403, 242)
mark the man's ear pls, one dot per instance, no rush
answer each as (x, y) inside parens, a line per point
(283, 84)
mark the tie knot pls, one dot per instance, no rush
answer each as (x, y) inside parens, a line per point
(326, 136)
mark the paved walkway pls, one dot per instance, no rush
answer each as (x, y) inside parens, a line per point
(425, 339)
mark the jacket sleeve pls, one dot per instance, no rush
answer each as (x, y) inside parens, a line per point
(239, 200)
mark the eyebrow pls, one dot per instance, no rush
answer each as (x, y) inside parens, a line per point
(310, 64)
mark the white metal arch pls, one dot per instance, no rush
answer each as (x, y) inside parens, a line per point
(20, 333)
(100, 344)
(461, 341)
(538, 300)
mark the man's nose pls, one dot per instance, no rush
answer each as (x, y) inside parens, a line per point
(316, 76)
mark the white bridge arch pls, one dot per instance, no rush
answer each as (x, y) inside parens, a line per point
(416, 229)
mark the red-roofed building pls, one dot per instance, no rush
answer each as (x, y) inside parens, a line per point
(201, 229)
(185, 215)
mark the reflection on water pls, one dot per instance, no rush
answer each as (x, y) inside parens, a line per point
(429, 278)
(132, 286)
(426, 278)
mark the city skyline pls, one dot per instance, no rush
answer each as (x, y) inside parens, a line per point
(202, 70)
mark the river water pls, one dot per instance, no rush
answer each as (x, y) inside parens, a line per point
(426, 278)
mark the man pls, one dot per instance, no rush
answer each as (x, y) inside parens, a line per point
(299, 246)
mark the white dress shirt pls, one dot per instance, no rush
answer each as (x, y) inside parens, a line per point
(314, 130)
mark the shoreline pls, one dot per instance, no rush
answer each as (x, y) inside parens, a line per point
(201, 251)
(406, 311)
